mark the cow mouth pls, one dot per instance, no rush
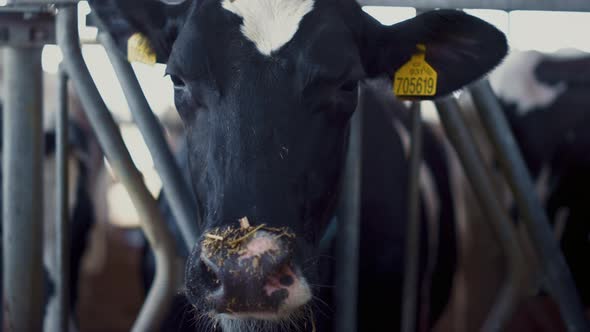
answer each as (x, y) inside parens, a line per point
(302, 319)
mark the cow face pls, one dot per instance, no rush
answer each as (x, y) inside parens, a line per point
(266, 89)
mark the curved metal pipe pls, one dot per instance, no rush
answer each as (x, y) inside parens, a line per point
(557, 276)
(61, 204)
(473, 165)
(159, 237)
(348, 233)
(410, 291)
(178, 193)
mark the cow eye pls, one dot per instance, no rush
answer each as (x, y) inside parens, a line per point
(177, 81)
(349, 86)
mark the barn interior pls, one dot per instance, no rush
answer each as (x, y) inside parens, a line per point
(111, 283)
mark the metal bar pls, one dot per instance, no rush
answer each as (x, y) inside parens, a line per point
(160, 295)
(39, 2)
(24, 27)
(474, 167)
(61, 208)
(22, 215)
(410, 295)
(557, 276)
(349, 208)
(177, 191)
(506, 5)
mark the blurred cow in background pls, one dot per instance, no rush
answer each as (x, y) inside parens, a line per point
(546, 99)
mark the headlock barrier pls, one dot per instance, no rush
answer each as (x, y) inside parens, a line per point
(25, 26)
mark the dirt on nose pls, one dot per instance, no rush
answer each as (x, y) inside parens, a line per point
(221, 244)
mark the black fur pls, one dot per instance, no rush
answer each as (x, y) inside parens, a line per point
(266, 135)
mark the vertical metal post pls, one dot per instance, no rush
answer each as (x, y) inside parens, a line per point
(463, 142)
(163, 288)
(22, 214)
(61, 208)
(557, 277)
(175, 187)
(410, 292)
(348, 230)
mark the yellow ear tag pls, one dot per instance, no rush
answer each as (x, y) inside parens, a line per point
(416, 78)
(140, 50)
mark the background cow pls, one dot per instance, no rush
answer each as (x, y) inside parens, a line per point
(545, 99)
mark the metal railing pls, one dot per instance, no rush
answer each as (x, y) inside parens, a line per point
(557, 277)
(61, 209)
(475, 170)
(505, 5)
(347, 244)
(177, 191)
(22, 192)
(22, 224)
(411, 267)
(158, 235)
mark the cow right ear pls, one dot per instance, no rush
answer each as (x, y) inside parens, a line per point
(144, 30)
(446, 48)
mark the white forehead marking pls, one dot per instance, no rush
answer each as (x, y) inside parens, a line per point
(269, 24)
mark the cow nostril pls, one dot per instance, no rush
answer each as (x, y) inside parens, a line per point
(286, 281)
(210, 278)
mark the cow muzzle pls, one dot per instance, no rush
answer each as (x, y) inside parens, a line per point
(251, 273)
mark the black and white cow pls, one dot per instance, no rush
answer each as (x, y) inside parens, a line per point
(546, 99)
(265, 89)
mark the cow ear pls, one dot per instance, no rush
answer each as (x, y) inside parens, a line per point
(144, 30)
(460, 48)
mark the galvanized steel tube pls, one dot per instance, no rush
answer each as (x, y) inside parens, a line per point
(22, 192)
(160, 295)
(61, 201)
(177, 191)
(410, 292)
(474, 167)
(347, 249)
(557, 277)
(507, 5)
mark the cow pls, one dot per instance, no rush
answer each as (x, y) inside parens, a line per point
(545, 99)
(266, 90)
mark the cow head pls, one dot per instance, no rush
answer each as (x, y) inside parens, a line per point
(265, 89)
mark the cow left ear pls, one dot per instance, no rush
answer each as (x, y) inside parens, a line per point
(459, 47)
(144, 30)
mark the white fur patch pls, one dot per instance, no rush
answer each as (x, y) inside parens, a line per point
(299, 294)
(514, 82)
(269, 24)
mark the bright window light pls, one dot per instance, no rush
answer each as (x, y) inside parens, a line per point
(549, 31)
(121, 209)
(390, 15)
(86, 33)
(498, 18)
(136, 145)
(51, 58)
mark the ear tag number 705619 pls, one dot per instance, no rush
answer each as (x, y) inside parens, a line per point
(416, 78)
